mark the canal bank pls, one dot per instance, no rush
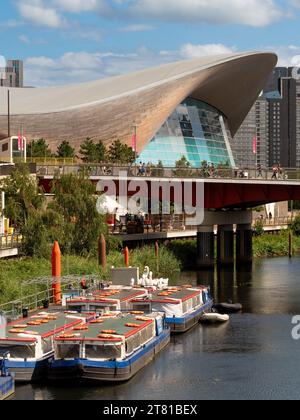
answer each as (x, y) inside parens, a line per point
(253, 356)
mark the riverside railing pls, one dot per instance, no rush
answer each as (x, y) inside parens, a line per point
(150, 171)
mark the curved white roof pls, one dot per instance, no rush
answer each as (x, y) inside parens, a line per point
(25, 101)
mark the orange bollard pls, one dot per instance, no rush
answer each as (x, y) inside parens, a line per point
(126, 256)
(56, 273)
(102, 251)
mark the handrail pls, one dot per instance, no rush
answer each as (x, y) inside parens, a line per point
(220, 172)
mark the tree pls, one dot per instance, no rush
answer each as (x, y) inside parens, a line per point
(93, 152)
(120, 153)
(38, 149)
(22, 195)
(158, 170)
(295, 226)
(75, 199)
(183, 168)
(65, 150)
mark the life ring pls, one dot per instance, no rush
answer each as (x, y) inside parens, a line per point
(22, 326)
(16, 331)
(67, 336)
(44, 321)
(142, 318)
(137, 313)
(97, 321)
(81, 328)
(131, 325)
(106, 336)
(34, 323)
(108, 332)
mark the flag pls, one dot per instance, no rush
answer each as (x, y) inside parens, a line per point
(134, 142)
(20, 142)
(254, 145)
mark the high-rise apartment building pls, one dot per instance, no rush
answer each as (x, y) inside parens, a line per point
(276, 126)
(12, 74)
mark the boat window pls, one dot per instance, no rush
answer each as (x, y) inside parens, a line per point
(184, 307)
(21, 352)
(47, 345)
(102, 351)
(137, 340)
(143, 307)
(68, 351)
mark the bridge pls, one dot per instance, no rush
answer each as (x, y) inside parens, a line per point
(229, 197)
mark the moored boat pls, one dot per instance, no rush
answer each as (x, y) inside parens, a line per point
(29, 342)
(112, 348)
(7, 380)
(109, 299)
(183, 305)
(228, 308)
(213, 318)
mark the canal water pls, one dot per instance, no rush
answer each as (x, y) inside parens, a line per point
(251, 357)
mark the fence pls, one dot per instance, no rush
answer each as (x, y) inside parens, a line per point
(108, 169)
(10, 241)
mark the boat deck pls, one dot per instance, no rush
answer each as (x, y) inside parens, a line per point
(173, 295)
(113, 328)
(109, 296)
(44, 324)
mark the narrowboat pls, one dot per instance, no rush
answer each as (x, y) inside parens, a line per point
(112, 348)
(109, 299)
(183, 305)
(29, 342)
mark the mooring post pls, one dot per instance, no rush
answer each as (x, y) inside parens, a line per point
(126, 256)
(290, 244)
(102, 251)
(157, 255)
(56, 273)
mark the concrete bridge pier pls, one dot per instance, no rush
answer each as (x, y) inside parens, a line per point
(206, 247)
(225, 245)
(244, 248)
(225, 221)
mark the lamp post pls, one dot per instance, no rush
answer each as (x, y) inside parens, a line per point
(8, 113)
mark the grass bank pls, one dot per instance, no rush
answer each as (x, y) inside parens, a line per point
(14, 272)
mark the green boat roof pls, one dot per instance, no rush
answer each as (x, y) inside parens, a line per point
(59, 322)
(115, 328)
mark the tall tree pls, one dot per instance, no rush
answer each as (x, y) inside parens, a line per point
(120, 153)
(38, 149)
(65, 150)
(93, 152)
(22, 195)
(75, 199)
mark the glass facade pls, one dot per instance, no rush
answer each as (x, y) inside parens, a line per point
(194, 130)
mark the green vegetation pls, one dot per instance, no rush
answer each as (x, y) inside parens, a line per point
(92, 152)
(295, 226)
(38, 148)
(120, 153)
(183, 168)
(14, 272)
(65, 150)
(274, 245)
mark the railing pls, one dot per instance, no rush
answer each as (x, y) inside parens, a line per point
(13, 309)
(108, 169)
(10, 241)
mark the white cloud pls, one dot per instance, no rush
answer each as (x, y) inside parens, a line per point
(76, 67)
(36, 12)
(78, 6)
(137, 28)
(196, 51)
(246, 12)
(24, 39)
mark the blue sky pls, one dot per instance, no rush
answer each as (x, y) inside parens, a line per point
(67, 41)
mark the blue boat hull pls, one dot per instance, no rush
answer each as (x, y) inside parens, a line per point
(7, 387)
(109, 371)
(25, 372)
(185, 323)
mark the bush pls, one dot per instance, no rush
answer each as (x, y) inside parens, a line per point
(295, 226)
(185, 250)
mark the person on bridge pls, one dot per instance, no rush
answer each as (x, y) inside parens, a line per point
(275, 172)
(259, 169)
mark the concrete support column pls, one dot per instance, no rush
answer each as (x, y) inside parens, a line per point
(225, 245)
(205, 247)
(244, 249)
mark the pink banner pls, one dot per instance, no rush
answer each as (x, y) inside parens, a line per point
(254, 145)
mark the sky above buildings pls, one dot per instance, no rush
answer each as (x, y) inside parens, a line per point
(70, 41)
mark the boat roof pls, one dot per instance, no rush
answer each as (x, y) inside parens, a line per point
(27, 330)
(174, 295)
(109, 296)
(108, 329)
